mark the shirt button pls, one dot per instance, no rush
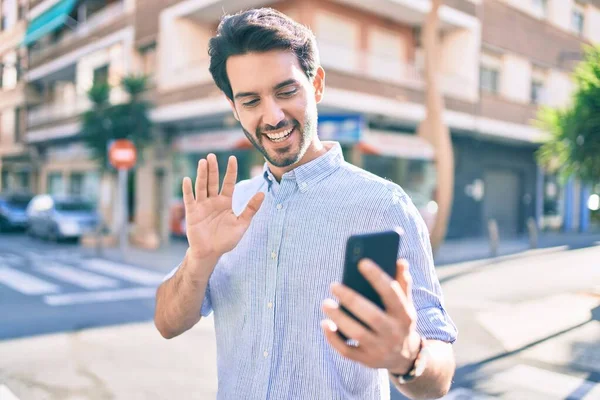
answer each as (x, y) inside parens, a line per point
(304, 185)
(273, 255)
(270, 305)
(279, 206)
(266, 354)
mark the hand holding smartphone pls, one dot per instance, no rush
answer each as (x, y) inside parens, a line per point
(382, 249)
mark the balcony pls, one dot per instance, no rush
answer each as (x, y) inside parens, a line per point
(388, 69)
(51, 112)
(69, 38)
(194, 73)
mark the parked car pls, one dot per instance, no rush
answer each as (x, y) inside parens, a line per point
(12, 211)
(61, 217)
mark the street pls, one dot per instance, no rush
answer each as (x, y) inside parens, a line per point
(47, 287)
(529, 328)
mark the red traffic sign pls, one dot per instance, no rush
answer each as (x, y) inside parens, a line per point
(122, 154)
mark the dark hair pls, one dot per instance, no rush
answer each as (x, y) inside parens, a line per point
(260, 30)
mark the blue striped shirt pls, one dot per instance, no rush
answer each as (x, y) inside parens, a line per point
(266, 294)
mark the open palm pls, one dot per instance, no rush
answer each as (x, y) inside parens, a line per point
(212, 228)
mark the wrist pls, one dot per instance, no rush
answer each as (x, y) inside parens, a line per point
(411, 355)
(199, 268)
(201, 256)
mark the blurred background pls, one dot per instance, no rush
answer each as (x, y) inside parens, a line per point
(76, 75)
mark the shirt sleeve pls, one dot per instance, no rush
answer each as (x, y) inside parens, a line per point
(206, 308)
(433, 322)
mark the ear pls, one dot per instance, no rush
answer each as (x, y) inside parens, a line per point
(232, 105)
(319, 84)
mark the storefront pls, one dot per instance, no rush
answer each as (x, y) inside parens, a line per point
(16, 173)
(69, 170)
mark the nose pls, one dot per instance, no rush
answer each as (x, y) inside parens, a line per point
(273, 114)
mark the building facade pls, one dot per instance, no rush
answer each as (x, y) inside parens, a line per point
(499, 61)
(529, 49)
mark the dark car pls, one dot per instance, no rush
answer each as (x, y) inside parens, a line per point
(13, 208)
(61, 217)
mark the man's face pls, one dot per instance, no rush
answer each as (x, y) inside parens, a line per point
(275, 103)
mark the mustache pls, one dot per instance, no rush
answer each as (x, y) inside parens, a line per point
(283, 124)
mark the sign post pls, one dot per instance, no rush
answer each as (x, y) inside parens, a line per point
(122, 155)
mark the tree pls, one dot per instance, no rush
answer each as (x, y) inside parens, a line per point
(573, 145)
(433, 129)
(105, 122)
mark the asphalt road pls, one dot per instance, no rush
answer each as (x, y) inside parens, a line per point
(48, 287)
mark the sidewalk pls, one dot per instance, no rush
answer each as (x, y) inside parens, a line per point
(452, 251)
(462, 250)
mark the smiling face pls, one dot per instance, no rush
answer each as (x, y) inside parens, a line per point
(276, 105)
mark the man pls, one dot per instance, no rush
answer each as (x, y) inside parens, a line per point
(264, 256)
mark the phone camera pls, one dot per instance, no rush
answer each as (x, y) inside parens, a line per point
(357, 252)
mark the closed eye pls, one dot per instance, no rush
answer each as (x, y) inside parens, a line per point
(289, 93)
(251, 103)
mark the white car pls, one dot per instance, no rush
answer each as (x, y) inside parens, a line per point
(57, 218)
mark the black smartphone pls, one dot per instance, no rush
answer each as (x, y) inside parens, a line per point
(382, 249)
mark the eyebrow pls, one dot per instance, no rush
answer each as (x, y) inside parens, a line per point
(278, 86)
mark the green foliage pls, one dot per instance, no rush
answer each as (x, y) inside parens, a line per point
(105, 122)
(573, 148)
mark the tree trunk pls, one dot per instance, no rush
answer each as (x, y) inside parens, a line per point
(433, 129)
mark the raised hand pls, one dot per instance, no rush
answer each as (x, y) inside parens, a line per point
(212, 228)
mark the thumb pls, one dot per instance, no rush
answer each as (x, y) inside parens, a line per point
(252, 207)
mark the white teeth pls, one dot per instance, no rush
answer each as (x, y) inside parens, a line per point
(278, 137)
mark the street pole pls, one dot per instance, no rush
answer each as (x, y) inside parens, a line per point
(123, 232)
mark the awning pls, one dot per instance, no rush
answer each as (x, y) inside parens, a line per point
(49, 21)
(225, 140)
(396, 145)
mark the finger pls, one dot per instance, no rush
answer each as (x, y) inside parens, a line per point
(353, 353)
(404, 279)
(252, 207)
(213, 175)
(348, 325)
(362, 308)
(188, 194)
(384, 285)
(230, 177)
(201, 180)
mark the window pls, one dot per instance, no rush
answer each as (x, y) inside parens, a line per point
(56, 183)
(577, 18)
(9, 72)
(18, 113)
(338, 41)
(23, 180)
(537, 92)
(489, 73)
(148, 56)
(4, 179)
(9, 14)
(101, 74)
(76, 187)
(489, 79)
(540, 7)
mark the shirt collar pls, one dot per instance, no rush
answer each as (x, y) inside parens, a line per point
(309, 174)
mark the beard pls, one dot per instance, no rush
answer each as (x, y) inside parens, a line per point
(291, 154)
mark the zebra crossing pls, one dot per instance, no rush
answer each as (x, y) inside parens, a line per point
(78, 281)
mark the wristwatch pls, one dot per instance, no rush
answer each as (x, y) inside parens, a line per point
(418, 367)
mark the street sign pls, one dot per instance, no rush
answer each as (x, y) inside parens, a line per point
(122, 154)
(343, 128)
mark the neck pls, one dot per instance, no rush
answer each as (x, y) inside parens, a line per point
(315, 150)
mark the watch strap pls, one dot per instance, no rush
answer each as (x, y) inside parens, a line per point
(416, 368)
